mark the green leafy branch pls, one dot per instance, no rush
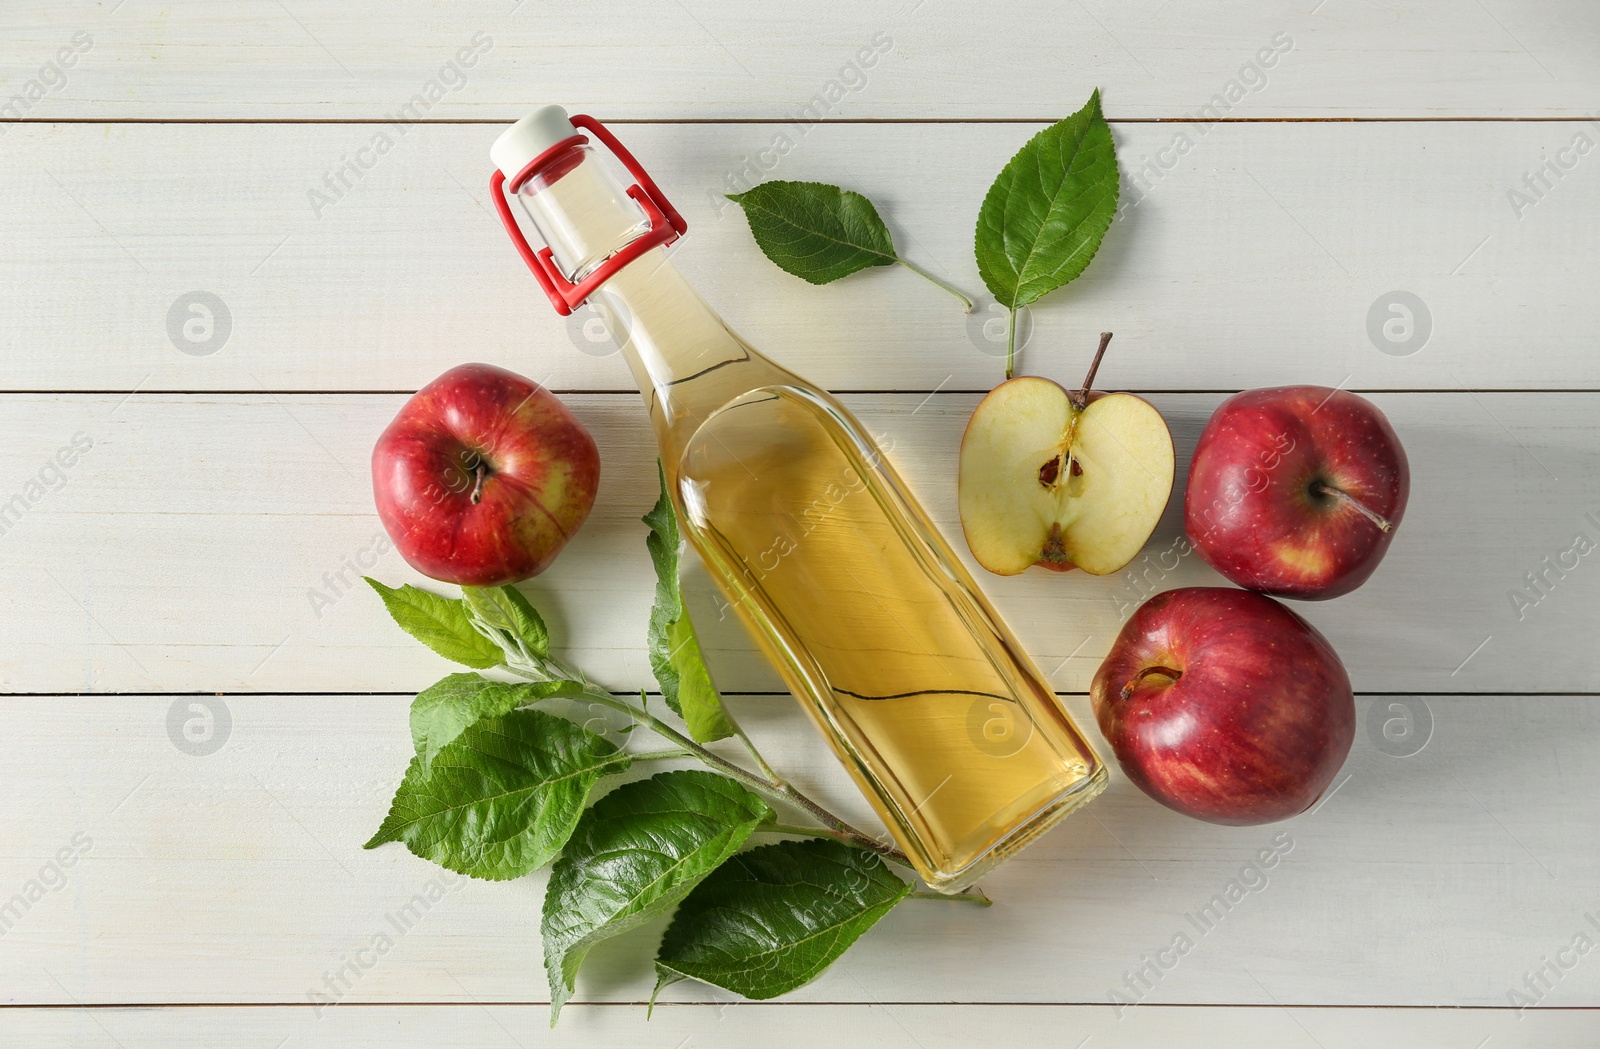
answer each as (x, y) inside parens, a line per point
(1040, 224)
(497, 789)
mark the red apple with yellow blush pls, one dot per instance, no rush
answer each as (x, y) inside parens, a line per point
(1296, 491)
(483, 476)
(1224, 705)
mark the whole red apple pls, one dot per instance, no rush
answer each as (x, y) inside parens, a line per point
(483, 477)
(1296, 491)
(1225, 705)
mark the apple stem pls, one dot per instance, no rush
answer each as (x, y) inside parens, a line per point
(1376, 518)
(966, 303)
(1080, 400)
(480, 472)
(1011, 342)
(1127, 690)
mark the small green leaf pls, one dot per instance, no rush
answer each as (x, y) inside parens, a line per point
(675, 654)
(771, 919)
(506, 607)
(1048, 210)
(636, 852)
(698, 699)
(815, 231)
(441, 623)
(445, 709)
(503, 798)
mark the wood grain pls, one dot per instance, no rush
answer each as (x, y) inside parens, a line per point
(896, 1026)
(717, 59)
(1257, 257)
(214, 543)
(209, 538)
(1435, 879)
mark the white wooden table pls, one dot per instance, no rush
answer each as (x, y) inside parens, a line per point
(1393, 148)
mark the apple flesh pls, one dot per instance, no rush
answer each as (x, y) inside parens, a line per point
(483, 476)
(1062, 480)
(1296, 491)
(1224, 705)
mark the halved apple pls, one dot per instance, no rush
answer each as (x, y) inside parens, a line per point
(1060, 479)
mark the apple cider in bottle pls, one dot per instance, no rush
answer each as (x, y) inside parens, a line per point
(814, 540)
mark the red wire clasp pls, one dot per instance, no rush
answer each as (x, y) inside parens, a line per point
(666, 225)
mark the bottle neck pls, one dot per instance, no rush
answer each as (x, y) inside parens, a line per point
(668, 334)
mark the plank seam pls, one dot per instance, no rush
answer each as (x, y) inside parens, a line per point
(575, 391)
(479, 1003)
(753, 695)
(780, 121)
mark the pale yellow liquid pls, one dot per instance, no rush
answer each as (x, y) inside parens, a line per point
(840, 577)
(934, 710)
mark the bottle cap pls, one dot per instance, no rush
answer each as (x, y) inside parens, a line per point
(522, 142)
(527, 146)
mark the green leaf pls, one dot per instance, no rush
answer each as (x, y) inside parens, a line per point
(697, 696)
(441, 623)
(815, 231)
(506, 607)
(675, 655)
(636, 852)
(444, 710)
(1047, 212)
(771, 919)
(503, 798)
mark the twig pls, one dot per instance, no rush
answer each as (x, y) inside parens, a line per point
(545, 668)
(660, 755)
(919, 271)
(761, 762)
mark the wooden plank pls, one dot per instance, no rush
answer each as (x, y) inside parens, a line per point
(1438, 879)
(210, 542)
(779, 1026)
(1266, 254)
(721, 59)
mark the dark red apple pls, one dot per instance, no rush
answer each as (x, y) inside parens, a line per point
(483, 477)
(1296, 491)
(1225, 705)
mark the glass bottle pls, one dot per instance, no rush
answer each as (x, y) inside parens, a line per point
(813, 538)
